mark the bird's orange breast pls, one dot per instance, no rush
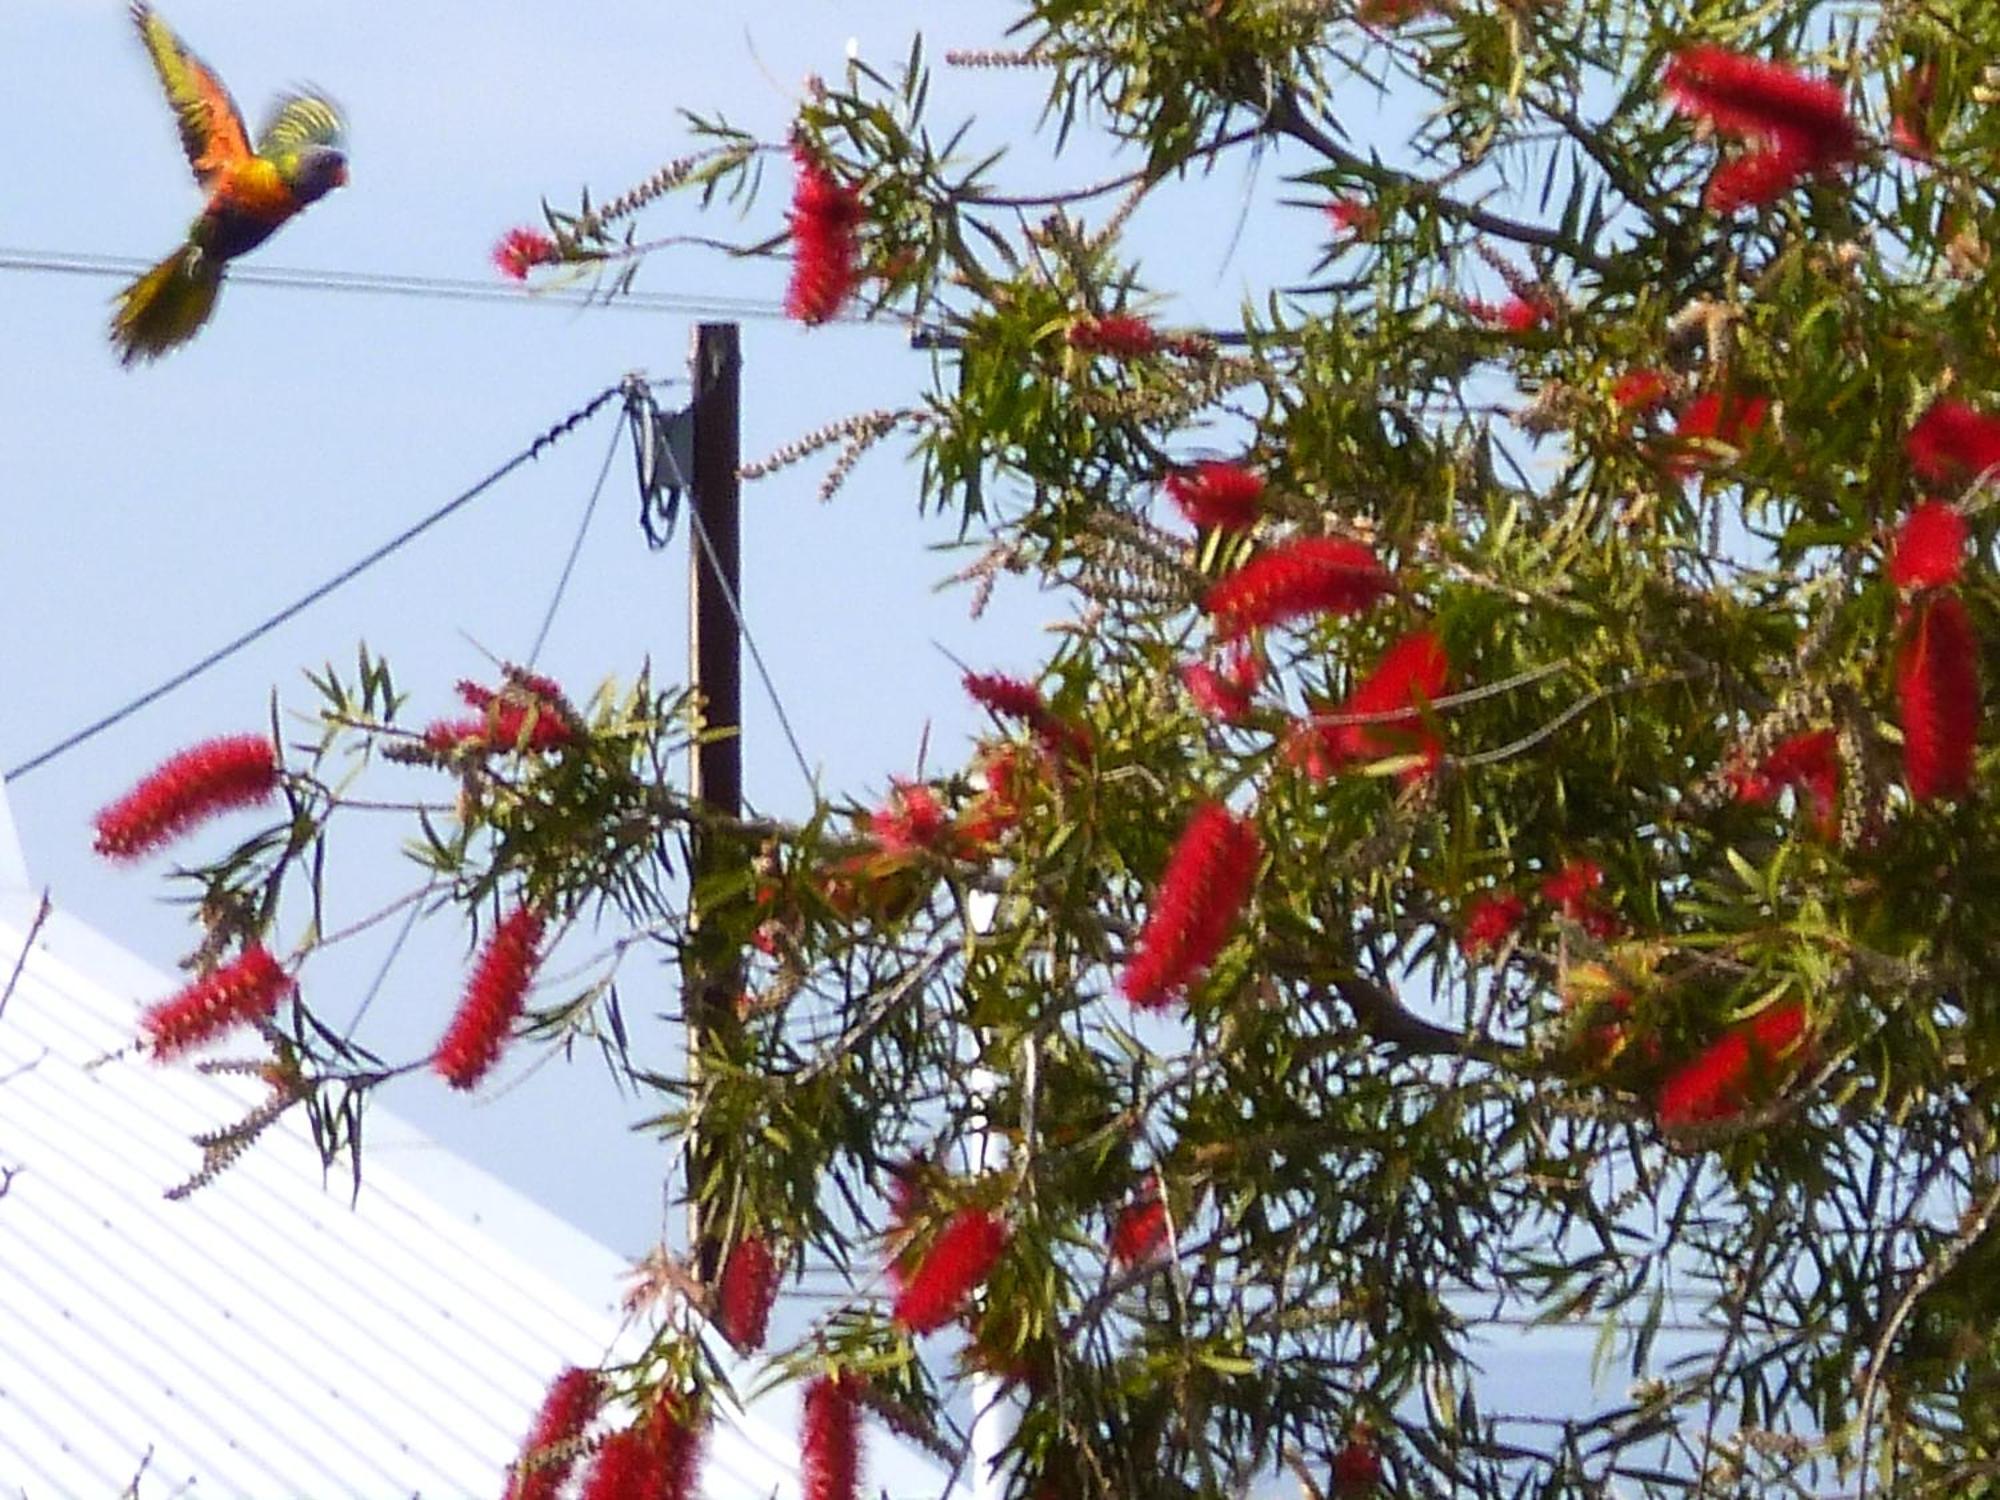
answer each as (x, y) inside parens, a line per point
(253, 187)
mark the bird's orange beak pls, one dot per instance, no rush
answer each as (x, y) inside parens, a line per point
(340, 175)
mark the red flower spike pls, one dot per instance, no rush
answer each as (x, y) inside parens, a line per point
(1716, 1084)
(1760, 176)
(1225, 692)
(830, 1441)
(1354, 216)
(1357, 1470)
(1763, 101)
(1930, 547)
(1139, 1232)
(749, 1286)
(572, 1401)
(961, 1258)
(1517, 314)
(493, 1000)
(521, 250)
(1412, 671)
(1953, 444)
(1569, 891)
(1937, 681)
(1723, 417)
(193, 786)
(625, 1469)
(824, 218)
(675, 1447)
(1305, 576)
(1201, 893)
(1216, 496)
(1640, 391)
(913, 821)
(247, 989)
(1011, 698)
(528, 715)
(1120, 335)
(1809, 762)
(1007, 697)
(1490, 919)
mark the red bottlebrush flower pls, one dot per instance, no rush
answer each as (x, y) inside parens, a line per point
(996, 811)
(197, 784)
(1120, 335)
(913, 821)
(830, 1441)
(1716, 1083)
(625, 1468)
(1007, 697)
(1354, 216)
(1139, 1232)
(824, 218)
(1305, 576)
(528, 714)
(1570, 887)
(676, 1448)
(1518, 314)
(1357, 1467)
(1810, 762)
(1640, 391)
(493, 999)
(1937, 681)
(1953, 444)
(247, 989)
(1569, 891)
(1216, 495)
(961, 1257)
(1759, 176)
(1412, 671)
(749, 1286)
(1490, 919)
(1930, 547)
(567, 1409)
(1225, 692)
(1757, 100)
(1716, 417)
(1202, 890)
(521, 250)
(1011, 698)
(521, 683)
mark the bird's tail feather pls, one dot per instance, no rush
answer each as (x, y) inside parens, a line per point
(166, 306)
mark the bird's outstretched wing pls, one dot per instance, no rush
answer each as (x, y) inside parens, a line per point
(212, 130)
(296, 122)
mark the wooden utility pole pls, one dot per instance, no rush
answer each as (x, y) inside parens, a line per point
(712, 974)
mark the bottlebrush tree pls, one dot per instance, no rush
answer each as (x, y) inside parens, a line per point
(1501, 843)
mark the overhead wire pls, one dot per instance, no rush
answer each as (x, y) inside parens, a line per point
(743, 630)
(575, 548)
(391, 284)
(547, 439)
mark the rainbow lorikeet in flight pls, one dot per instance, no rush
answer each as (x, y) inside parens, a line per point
(251, 190)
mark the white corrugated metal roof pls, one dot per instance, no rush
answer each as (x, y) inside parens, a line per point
(263, 1338)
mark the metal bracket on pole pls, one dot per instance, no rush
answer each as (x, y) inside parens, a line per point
(663, 452)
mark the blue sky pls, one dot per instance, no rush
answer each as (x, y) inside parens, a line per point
(155, 513)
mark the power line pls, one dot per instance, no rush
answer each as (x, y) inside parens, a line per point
(547, 439)
(575, 550)
(390, 284)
